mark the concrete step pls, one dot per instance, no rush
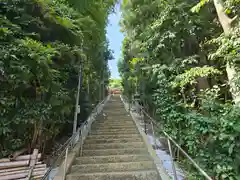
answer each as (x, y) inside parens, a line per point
(108, 152)
(112, 159)
(113, 167)
(131, 138)
(131, 175)
(114, 145)
(112, 133)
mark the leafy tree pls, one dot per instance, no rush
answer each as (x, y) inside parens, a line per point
(229, 42)
(43, 43)
(115, 84)
(177, 59)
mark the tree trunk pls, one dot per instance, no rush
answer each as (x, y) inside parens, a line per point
(227, 26)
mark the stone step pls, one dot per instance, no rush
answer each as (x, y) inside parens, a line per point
(113, 167)
(117, 116)
(115, 132)
(118, 130)
(120, 114)
(114, 120)
(114, 145)
(113, 140)
(131, 175)
(114, 149)
(108, 117)
(113, 129)
(113, 105)
(107, 152)
(113, 126)
(115, 136)
(112, 159)
(119, 123)
(123, 113)
(110, 105)
(109, 108)
(102, 125)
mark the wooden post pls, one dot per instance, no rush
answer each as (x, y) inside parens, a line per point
(32, 163)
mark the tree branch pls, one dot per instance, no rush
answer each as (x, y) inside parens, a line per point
(234, 19)
(223, 17)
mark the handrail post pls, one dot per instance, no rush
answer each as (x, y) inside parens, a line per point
(173, 165)
(178, 154)
(142, 115)
(77, 107)
(154, 138)
(144, 121)
(65, 165)
(81, 149)
(129, 106)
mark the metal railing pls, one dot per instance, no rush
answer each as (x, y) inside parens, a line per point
(81, 133)
(170, 141)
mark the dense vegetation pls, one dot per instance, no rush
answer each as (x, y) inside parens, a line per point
(115, 84)
(43, 43)
(183, 58)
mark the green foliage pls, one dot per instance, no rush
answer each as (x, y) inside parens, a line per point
(115, 84)
(199, 5)
(228, 47)
(42, 46)
(190, 76)
(173, 57)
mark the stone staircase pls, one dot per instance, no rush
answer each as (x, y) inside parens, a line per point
(114, 149)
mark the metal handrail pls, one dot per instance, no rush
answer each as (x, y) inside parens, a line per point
(170, 139)
(69, 144)
(178, 146)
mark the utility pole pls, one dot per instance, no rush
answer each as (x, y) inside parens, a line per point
(103, 89)
(77, 106)
(100, 93)
(88, 85)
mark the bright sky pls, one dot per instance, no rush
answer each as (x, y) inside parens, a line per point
(115, 38)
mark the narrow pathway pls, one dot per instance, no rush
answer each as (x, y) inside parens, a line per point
(114, 149)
